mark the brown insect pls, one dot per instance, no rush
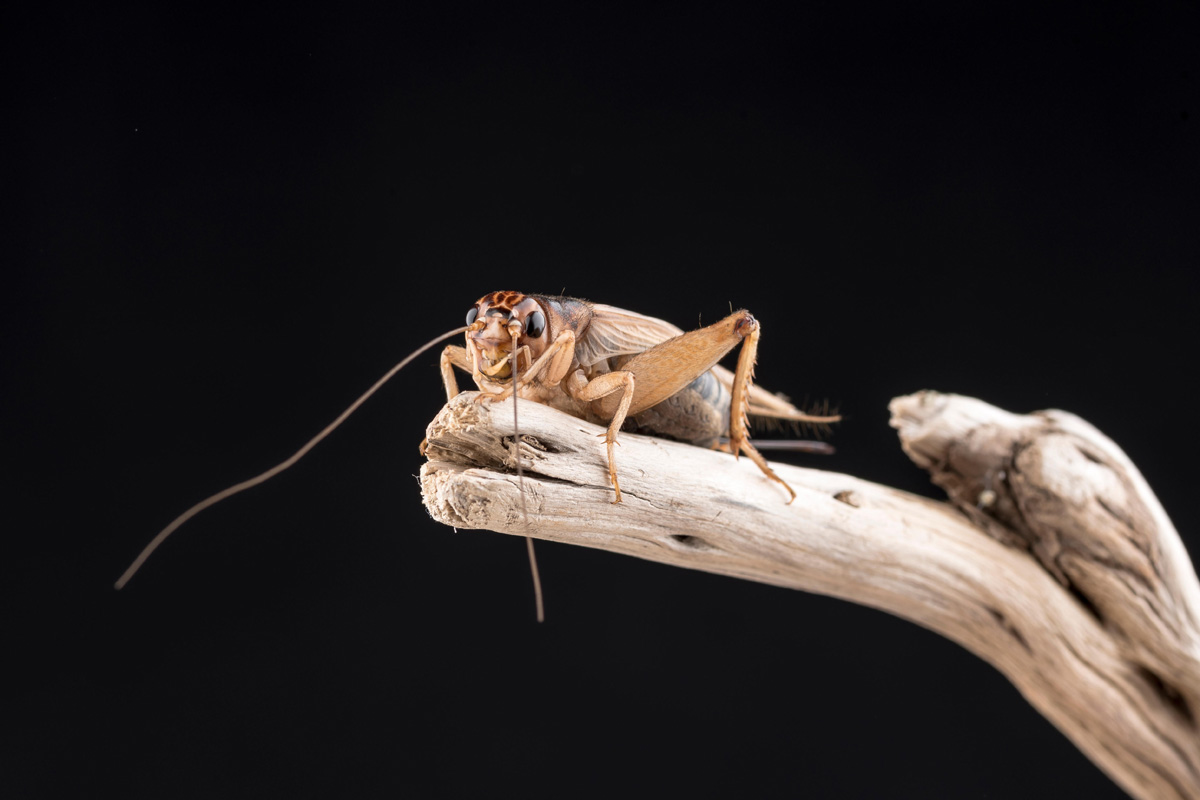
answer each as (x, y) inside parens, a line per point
(596, 362)
(621, 369)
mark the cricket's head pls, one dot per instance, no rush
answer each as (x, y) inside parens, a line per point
(501, 322)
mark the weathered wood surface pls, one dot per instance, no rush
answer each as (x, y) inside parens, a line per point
(1053, 560)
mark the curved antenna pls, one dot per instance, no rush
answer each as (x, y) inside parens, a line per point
(516, 454)
(275, 470)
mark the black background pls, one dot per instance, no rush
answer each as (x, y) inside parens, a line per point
(228, 223)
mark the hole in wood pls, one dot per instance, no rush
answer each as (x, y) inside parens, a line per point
(848, 497)
(1003, 622)
(693, 542)
(1169, 695)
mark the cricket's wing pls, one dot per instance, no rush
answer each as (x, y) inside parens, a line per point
(616, 332)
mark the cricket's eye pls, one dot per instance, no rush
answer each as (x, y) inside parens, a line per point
(535, 323)
(472, 314)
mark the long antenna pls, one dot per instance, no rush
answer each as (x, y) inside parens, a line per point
(533, 567)
(275, 470)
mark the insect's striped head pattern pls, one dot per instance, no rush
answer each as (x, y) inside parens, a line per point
(498, 320)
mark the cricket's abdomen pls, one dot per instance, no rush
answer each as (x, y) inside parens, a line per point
(697, 414)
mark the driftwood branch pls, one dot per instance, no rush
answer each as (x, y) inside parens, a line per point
(1053, 560)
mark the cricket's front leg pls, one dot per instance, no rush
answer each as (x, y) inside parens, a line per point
(453, 356)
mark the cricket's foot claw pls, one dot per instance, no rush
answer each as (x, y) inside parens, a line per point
(483, 397)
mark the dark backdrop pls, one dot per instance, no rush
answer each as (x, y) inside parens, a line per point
(228, 223)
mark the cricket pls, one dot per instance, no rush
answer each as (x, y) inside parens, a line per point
(606, 365)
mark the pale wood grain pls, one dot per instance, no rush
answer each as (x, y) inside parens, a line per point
(1053, 562)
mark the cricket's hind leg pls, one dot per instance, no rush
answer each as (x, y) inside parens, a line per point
(669, 367)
